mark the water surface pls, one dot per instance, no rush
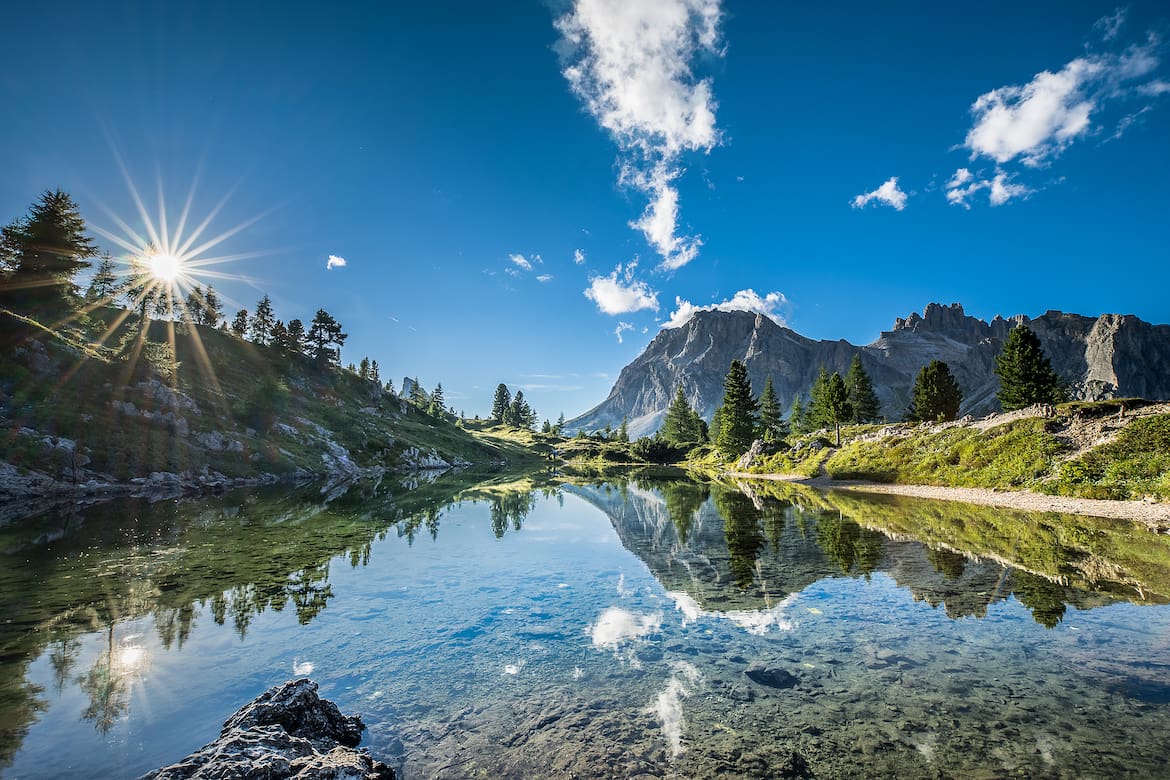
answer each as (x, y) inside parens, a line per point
(594, 629)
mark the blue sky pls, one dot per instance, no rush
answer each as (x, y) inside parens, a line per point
(526, 192)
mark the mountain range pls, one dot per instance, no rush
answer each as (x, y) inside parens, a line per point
(1110, 356)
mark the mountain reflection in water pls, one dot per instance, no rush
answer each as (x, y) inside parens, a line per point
(94, 599)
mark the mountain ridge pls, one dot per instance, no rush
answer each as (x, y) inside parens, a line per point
(1108, 356)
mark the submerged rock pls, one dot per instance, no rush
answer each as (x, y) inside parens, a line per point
(286, 732)
(770, 675)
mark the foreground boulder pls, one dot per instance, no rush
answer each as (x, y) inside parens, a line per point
(286, 732)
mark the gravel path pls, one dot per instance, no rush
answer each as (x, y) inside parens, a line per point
(1154, 515)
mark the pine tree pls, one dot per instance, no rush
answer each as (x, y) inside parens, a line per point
(280, 336)
(865, 404)
(212, 309)
(547, 427)
(418, 396)
(623, 431)
(45, 250)
(194, 305)
(679, 426)
(815, 413)
(520, 414)
(771, 424)
(104, 287)
(798, 416)
(738, 419)
(239, 325)
(262, 321)
(364, 368)
(374, 372)
(1025, 374)
(296, 336)
(325, 338)
(560, 427)
(437, 405)
(936, 395)
(835, 406)
(501, 403)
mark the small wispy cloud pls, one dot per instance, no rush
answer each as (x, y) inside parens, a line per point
(631, 63)
(1110, 26)
(769, 305)
(542, 278)
(1000, 188)
(889, 194)
(620, 293)
(579, 256)
(521, 261)
(621, 328)
(335, 262)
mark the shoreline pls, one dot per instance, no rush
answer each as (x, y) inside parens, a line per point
(1155, 516)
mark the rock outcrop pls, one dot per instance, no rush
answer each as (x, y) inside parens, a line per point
(286, 732)
(1099, 357)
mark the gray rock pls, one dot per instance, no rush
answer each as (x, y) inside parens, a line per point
(770, 675)
(286, 732)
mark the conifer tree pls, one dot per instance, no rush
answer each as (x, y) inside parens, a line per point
(547, 427)
(815, 413)
(680, 425)
(438, 405)
(418, 396)
(212, 308)
(239, 326)
(325, 338)
(623, 431)
(280, 336)
(835, 406)
(45, 250)
(296, 336)
(501, 403)
(194, 305)
(560, 427)
(936, 395)
(1025, 374)
(865, 404)
(771, 423)
(798, 416)
(374, 372)
(520, 414)
(262, 321)
(738, 419)
(104, 286)
(364, 368)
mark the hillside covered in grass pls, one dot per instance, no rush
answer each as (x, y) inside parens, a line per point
(96, 402)
(1105, 450)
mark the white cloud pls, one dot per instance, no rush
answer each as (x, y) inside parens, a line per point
(544, 278)
(621, 328)
(963, 185)
(888, 193)
(744, 300)
(579, 256)
(616, 626)
(630, 62)
(335, 262)
(620, 293)
(1110, 25)
(521, 261)
(1037, 121)
(1155, 88)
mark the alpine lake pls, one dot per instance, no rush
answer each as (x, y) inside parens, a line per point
(638, 627)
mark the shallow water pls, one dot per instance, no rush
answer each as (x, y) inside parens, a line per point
(594, 630)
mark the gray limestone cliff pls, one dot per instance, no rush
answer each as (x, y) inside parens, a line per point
(1109, 356)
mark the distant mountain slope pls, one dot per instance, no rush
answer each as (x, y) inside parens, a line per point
(1108, 356)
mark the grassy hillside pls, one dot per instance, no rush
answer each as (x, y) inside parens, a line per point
(93, 400)
(1089, 450)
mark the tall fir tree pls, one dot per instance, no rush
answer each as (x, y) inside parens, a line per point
(364, 368)
(501, 402)
(835, 406)
(262, 321)
(1025, 374)
(738, 419)
(325, 338)
(866, 408)
(212, 308)
(623, 431)
(104, 287)
(374, 372)
(438, 405)
(680, 425)
(296, 336)
(45, 250)
(936, 395)
(560, 426)
(771, 421)
(815, 412)
(418, 396)
(239, 326)
(798, 416)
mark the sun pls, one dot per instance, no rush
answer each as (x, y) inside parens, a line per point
(165, 267)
